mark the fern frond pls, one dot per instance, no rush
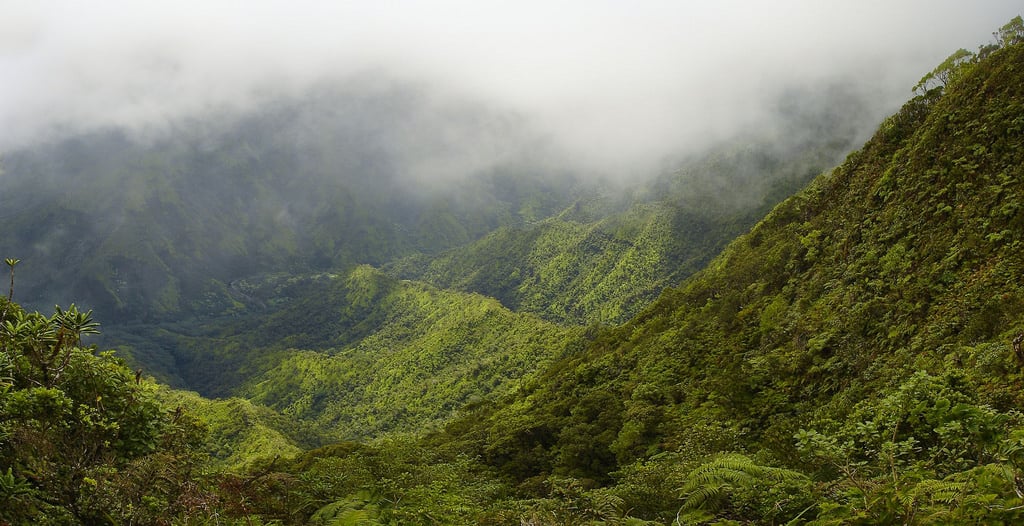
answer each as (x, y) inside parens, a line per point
(938, 491)
(711, 481)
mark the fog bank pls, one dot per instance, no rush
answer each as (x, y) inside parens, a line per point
(618, 85)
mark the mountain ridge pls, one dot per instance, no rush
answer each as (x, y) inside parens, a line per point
(854, 358)
(891, 280)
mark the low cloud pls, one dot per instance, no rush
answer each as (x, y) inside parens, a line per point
(621, 85)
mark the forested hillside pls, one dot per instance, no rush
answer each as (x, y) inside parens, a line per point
(853, 358)
(194, 242)
(859, 349)
(358, 354)
(605, 257)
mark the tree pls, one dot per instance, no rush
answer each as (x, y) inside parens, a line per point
(948, 71)
(11, 262)
(1011, 33)
(81, 441)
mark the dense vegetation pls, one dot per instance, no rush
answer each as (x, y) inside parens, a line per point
(358, 354)
(855, 358)
(157, 228)
(858, 350)
(604, 258)
(414, 354)
(81, 438)
(574, 269)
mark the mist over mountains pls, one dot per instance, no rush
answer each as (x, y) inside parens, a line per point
(362, 172)
(574, 273)
(336, 178)
(619, 87)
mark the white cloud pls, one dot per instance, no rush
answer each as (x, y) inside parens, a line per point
(620, 81)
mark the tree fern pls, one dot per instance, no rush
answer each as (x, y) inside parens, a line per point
(708, 485)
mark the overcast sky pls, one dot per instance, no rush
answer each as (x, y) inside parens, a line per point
(637, 78)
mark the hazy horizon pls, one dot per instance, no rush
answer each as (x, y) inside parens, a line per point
(614, 85)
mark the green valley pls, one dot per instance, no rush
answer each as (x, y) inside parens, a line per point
(307, 332)
(361, 354)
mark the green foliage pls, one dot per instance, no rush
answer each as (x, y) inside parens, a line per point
(394, 481)
(736, 487)
(950, 70)
(362, 354)
(1011, 33)
(923, 452)
(352, 511)
(240, 434)
(649, 488)
(854, 359)
(876, 310)
(10, 262)
(82, 440)
(601, 260)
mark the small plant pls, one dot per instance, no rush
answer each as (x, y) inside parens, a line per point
(11, 262)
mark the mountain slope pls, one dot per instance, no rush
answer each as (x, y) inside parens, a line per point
(240, 433)
(431, 352)
(609, 254)
(885, 297)
(358, 354)
(575, 268)
(854, 359)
